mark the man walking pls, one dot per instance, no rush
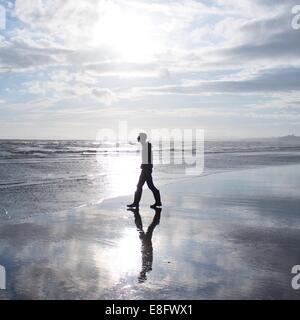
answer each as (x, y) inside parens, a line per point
(146, 174)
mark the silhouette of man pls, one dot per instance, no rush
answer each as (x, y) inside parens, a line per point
(146, 174)
(146, 239)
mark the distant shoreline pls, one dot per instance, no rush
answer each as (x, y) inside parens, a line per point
(283, 138)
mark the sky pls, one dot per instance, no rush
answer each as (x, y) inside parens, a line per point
(69, 68)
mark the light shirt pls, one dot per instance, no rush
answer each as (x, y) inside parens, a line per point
(147, 157)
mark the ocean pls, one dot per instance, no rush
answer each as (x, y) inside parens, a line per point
(38, 177)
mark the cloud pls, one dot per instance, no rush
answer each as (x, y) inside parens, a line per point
(193, 36)
(268, 81)
(107, 96)
(66, 88)
(246, 49)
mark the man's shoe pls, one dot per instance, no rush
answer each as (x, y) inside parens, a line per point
(155, 205)
(133, 205)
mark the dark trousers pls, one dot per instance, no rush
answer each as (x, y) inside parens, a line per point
(146, 176)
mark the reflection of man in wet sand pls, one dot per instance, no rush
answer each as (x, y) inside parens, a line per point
(146, 239)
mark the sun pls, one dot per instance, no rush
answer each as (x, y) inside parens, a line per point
(131, 35)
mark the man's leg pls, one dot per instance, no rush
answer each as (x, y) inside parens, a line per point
(154, 190)
(139, 190)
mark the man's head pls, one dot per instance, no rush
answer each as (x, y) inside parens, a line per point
(142, 138)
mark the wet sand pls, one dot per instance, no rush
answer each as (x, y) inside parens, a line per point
(231, 235)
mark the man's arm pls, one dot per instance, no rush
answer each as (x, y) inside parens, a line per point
(149, 153)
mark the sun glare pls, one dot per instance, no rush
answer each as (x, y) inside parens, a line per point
(128, 34)
(122, 174)
(122, 259)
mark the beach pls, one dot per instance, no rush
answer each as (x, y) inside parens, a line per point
(230, 235)
(105, 103)
(46, 176)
